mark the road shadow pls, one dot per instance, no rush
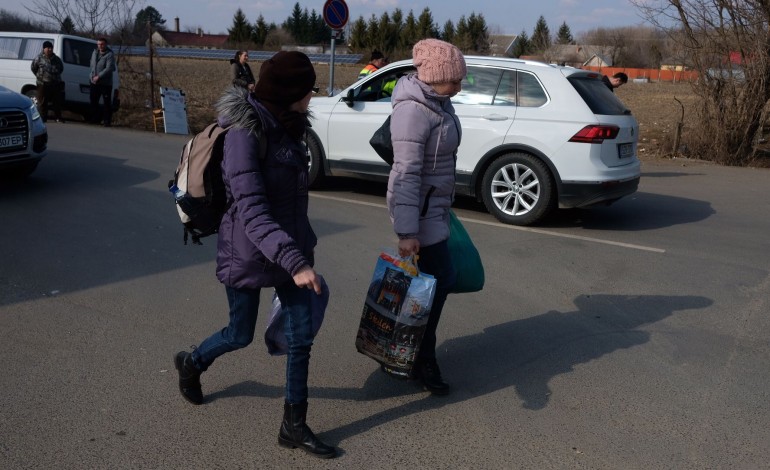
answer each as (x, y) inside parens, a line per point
(637, 212)
(521, 356)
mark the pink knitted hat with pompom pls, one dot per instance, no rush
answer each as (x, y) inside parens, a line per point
(438, 61)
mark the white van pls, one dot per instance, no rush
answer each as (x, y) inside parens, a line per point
(18, 49)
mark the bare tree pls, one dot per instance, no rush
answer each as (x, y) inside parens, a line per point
(90, 17)
(728, 43)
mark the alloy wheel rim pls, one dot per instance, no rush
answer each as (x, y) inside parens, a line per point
(515, 189)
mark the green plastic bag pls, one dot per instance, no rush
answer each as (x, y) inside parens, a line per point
(465, 258)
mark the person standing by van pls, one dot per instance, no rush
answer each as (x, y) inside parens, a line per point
(102, 68)
(48, 68)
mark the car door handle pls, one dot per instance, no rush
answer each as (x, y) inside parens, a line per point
(495, 117)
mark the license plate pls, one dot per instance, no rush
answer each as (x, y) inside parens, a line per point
(625, 150)
(11, 141)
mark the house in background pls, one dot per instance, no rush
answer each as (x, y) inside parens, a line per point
(579, 55)
(501, 45)
(195, 40)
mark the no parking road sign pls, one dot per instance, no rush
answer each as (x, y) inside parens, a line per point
(336, 13)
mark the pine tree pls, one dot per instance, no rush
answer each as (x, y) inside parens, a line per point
(409, 35)
(564, 36)
(541, 37)
(293, 23)
(67, 26)
(448, 33)
(241, 30)
(522, 45)
(260, 31)
(479, 34)
(358, 35)
(426, 27)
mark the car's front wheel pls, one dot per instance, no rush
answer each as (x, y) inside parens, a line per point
(518, 189)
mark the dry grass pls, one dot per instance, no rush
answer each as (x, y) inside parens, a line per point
(653, 104)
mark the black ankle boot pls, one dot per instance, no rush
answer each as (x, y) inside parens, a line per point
(295, 433)
(189, 378)
(430, 375)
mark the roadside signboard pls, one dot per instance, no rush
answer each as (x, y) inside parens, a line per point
(336, 13)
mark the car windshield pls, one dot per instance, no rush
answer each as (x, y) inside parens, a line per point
(597, 96)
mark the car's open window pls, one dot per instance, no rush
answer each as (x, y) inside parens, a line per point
(478, 86)
(531, 93)
(381, 87)
(78, 52)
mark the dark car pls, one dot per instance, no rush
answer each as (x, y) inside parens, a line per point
(23, 135)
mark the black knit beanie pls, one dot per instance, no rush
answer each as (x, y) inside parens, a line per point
(285, 78)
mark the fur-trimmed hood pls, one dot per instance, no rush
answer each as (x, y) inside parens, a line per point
(237, 108)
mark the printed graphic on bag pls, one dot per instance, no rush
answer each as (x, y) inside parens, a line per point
(395, 314)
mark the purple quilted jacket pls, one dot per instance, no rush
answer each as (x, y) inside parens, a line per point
(265, 237)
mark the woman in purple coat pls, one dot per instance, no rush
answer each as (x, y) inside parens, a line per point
(265, 238)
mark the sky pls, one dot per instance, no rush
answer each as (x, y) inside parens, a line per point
(502, 16)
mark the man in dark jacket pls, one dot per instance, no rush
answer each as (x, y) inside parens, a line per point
(102, 68)
(265, 238)
(48, 68)
(617, 80)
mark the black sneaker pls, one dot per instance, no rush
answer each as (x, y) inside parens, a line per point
(430, 376)
(189, 378)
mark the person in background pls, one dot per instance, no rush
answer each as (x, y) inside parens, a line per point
(102, 68)
(240, 70)
(376, 62)
(618, 79)
(265, 237)
(426, 134)
(48, 68)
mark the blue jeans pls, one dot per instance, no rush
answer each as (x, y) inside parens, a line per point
(435, 260)
(239, 333)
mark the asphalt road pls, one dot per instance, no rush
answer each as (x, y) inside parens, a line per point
(627, 337)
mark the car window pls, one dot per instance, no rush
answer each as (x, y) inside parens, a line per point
(479, 86)
(32, 48)
(506, 92)
(381, 87)
(597, 96)
(77, 52)
(9, 48)
(531, 93)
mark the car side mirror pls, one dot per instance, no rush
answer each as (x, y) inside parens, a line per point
(348, 99)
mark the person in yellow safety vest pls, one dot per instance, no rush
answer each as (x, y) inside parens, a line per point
(377, 61)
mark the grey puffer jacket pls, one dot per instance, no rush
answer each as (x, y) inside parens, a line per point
(426, 133)
(265, 236)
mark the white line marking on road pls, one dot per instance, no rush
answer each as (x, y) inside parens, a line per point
(509, 227)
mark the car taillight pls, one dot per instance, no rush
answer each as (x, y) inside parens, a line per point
(595, 134)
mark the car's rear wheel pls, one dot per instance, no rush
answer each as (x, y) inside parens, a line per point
(315, 162)
(518, 189)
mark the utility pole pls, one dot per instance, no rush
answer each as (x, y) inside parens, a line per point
(152, 71)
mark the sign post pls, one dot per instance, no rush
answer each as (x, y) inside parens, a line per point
(336, 15)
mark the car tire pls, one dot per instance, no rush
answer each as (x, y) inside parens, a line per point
(518, 189)
(316, 174)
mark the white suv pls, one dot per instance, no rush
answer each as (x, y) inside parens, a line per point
(535, 136)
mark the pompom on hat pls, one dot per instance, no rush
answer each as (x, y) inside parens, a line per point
(438, 61)
(285, 78)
